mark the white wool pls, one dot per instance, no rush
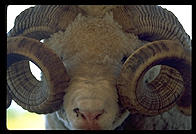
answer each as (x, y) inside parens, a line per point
(92, 40)
(170, 120)
(91, 89)
(91, 49)
(97, 10)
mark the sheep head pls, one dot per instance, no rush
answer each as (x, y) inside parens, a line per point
(99, 63)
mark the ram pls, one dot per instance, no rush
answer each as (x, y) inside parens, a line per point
(104, 67)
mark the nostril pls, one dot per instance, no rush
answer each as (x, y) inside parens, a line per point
(83, 116)
(86, 115)
(91, 115)
(76, 110)
(98, 115)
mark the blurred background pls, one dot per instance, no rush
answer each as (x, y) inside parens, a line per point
(19, 119)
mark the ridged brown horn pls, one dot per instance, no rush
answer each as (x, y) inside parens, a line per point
(151, 23)
(40, 22)
(158, 95)
(35, 96)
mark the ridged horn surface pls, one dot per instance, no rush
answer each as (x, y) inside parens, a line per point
(35, 96)
(139, 95)
(151, 23)
(40, 21)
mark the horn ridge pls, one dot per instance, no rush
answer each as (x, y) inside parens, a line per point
(151, 23)
(44, 96)
(171, 83)
(40, 22)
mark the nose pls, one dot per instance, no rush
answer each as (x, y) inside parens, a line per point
(89, 109)
(89, 116)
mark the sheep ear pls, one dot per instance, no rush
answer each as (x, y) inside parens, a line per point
(139, 95)
(44, 96)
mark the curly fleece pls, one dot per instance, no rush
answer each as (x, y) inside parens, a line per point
(90, 40)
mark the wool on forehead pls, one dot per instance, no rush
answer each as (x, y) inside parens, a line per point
(93, 40)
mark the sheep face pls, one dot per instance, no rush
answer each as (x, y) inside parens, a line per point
(91, 104)
(99, 64)
(92, 49)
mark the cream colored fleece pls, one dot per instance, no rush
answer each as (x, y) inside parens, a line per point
(96, 46)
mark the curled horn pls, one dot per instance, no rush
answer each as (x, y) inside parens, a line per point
(35, 96)
(31, 25)
(40, 22)
(170, 47)
(158, 95)
(151, 23)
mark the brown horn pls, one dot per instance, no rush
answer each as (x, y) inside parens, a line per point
(160, 94)
(35, 96)
(151, 22)
(40, 22)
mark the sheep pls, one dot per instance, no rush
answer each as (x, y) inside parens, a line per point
(104, 67)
